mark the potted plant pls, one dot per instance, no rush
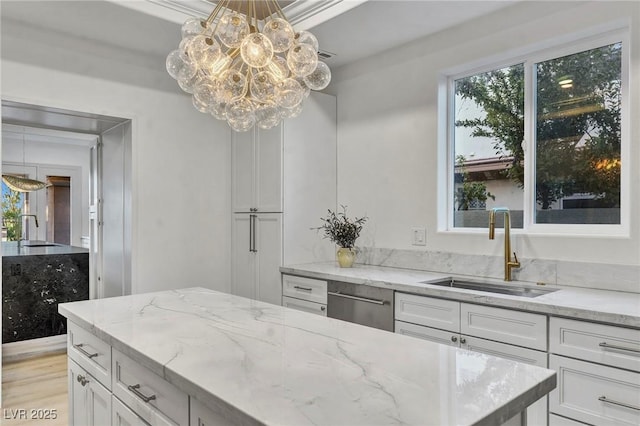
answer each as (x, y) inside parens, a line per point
(343, 231)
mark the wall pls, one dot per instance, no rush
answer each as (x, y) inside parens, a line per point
(388, 133)
(181, 176)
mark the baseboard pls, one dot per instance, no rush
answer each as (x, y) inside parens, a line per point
(18, 351)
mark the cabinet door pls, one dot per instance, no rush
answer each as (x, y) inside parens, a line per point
(243, 278)
(268, 243)
(243, 169)
(536, 412)
(77, 395)
(268, 170)
(123, 415)
(89, 401)
(99, 404)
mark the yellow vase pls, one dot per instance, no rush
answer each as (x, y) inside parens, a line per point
(346, 256)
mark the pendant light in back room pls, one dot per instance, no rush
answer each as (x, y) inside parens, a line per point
(23, 184)
(245, 64)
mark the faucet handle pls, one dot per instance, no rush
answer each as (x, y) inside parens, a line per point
(515, 258)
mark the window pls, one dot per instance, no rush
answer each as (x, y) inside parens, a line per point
(14, 204)
(541, 136)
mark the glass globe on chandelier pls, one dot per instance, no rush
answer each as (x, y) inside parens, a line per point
(247, 66)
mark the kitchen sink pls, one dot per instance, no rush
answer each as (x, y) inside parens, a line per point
(510, 289)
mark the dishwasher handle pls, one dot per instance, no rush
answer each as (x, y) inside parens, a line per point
(361, 299)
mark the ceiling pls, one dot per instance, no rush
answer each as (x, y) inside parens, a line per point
(350, 29)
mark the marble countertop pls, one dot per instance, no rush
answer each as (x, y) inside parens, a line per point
(615, 307)
(10, 248)
(266, 364)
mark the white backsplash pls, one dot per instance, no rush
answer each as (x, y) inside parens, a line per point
(601, 276)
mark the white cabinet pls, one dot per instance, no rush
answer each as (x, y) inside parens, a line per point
(132, 396)
(201, 415)
(304, 294)
(257, 256)
(289, 169)
(515, 335)
(257, 170)
(598, 370)
(121, 415)
(89, 401)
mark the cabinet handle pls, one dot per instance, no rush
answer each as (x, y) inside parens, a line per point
(134, 389)
(454, 339)
(323, 308)
(621, 404)
(80, 346)
(252, 233)
(297, 287)
(82, 380)
(463, 340)
(361, 299)
(620, 348)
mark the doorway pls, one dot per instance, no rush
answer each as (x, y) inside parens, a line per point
(86, 202)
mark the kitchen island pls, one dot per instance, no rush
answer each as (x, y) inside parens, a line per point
(36, 276)
(255, 363)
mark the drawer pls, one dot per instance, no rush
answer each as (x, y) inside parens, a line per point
(555, 420)
(595, 394)
(147, 394)
(605, 344)
(304, 288)
(305, 306)
(504, 325)
(422, 310)
(427, 333)
(91, 353)
(503, 350)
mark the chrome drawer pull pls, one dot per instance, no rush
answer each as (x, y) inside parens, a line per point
(134, 389)
(622, 404)
(621, 348)
(79, 347)
(361, 299)
(297, 287)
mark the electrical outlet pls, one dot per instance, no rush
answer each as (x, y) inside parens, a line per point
(418, 236)
(16, 269)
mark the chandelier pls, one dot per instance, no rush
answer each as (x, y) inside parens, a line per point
(245, 64)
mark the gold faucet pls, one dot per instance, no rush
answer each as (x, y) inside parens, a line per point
(508, 263)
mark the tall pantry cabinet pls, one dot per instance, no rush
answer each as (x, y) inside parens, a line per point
(283, 180)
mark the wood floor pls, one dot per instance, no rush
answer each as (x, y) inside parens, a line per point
(33, 388)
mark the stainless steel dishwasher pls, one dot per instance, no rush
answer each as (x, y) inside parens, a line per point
(361, 304)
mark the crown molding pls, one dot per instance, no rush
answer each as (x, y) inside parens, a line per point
(304, 14)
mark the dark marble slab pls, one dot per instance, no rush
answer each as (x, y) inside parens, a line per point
(32, 287)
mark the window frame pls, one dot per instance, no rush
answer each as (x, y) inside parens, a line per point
(529, 57)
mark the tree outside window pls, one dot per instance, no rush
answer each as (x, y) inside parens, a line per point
(577, 131)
